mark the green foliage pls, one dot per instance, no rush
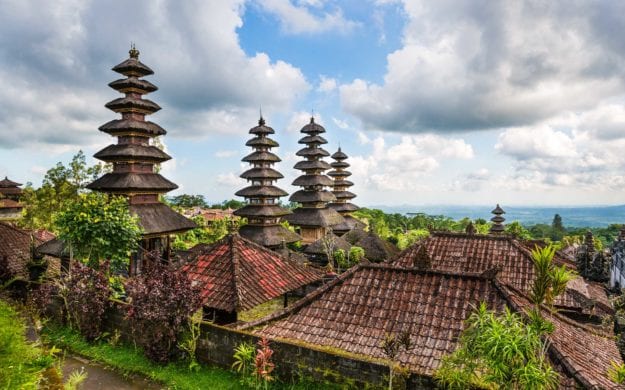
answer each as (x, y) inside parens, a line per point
(391, 346)
(244, 363)
(189, 343)
(497, 351)
(188, 201)
(76, 378)
(98, 227)
(356, 254)
(550, 280)
(61, 186)
(203, 234)
(517, 230)
(404, 240)
(616, 372)
(229, 204)
(22, 364)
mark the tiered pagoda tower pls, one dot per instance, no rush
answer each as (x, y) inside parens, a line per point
(498, 220)
(10, 189)
(340, 186)
(134, 158)
(313, 218)
(262, 211)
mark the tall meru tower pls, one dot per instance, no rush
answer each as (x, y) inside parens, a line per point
(134, 158)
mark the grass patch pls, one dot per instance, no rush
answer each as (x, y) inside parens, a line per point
(264, 309)
(128, 360)
(22, 364)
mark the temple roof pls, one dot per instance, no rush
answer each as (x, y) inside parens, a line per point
(312, 152)
(376, 248)
(131, 152)
(123, 182)
(129, 126)
(264, 142)
(261, 192)
(262, 128)
(261, 156)
(311, 165)
(129, 104)
(10, 204)
(313, 128)
(261, 173)
(313, 140)
(339, 155)
(6, 183)
(262, 210)
(133, 84)
(463, 252)
(236, 274)
(16, 245)
(132, 66)
(269, 236)
(312, 180)
(159, 219)
(314, 217)
(319, 247)
(350, 223)
(356, 311)
(303, 196)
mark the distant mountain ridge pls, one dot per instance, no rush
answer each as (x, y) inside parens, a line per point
(572, 216)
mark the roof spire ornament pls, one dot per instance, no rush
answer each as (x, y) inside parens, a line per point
(133, 52)
(498, 220)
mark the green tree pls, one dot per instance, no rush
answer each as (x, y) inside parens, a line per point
(99, 227)
(498, 351)
(188, 201)
(61, 186)
(557, 229)
(517, 230)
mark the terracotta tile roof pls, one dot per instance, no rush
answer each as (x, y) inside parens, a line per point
(236, 274)
(355, 311)
(460, 252)
(15, 244)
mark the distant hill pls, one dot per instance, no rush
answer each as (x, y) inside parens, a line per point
(583, 216)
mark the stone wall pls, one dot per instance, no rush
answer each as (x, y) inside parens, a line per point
(217, 343)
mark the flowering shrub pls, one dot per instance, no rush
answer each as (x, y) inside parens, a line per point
(263, 363)
(87, 298)
(161, 301)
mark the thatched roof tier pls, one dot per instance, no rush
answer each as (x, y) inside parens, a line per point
(261, 156)
(312, 153)
(339, 173)
(339, 156)
(261, 129)
(309, 165)
(132, 152)
(121, 127)
(344, 208)
(314, 217)
(338, 182)
(376, 248)
(262, 210)
(312, 180)
(261, 173)
(344, 195)
(132, 67)
(133, 85)
(350, 223)
(124, 182)
(330, 240)
(270, 236)
(261, 192)
(128, 104)
(262, 142)
(303, 196)
(158, 219)
(313, 128)
(313, 140)
(6, 183)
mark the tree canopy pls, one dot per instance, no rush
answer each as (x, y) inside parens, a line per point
(99, 227)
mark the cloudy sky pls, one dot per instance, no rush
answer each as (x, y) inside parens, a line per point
(435, 102)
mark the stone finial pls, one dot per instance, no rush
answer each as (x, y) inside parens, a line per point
(470, 229)
(497, 220)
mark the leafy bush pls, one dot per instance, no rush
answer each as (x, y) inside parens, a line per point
(161, 301)
(87, 298)
(244, 360)
(264, 364)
